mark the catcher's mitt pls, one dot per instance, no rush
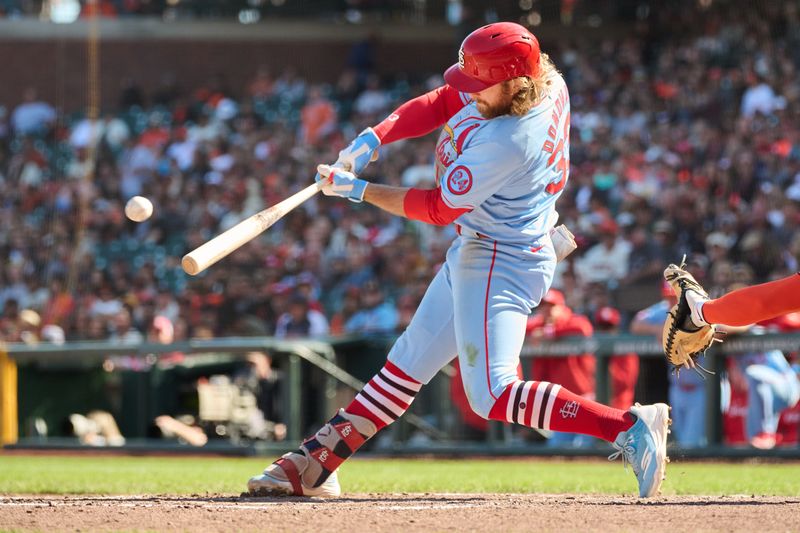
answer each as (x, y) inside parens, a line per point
(683, 341)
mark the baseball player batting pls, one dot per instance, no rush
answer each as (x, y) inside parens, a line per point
(502, 160)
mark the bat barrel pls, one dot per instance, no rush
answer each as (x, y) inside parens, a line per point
(223, 244)
(248, 229)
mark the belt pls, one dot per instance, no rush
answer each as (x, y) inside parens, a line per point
(469, 233)
(466, 232)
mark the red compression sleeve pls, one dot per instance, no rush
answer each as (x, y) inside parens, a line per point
(427, 205)
(756, 303)
(421, 115)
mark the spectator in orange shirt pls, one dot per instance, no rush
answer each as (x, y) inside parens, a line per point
(318, 117)
(61, 304)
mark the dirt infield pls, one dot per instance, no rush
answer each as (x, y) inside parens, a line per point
(400, 512)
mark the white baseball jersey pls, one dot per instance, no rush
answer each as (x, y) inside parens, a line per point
(508, 171)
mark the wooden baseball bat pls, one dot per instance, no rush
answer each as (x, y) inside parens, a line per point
(248, 229)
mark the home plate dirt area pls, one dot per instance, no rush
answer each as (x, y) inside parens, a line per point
(400, 512)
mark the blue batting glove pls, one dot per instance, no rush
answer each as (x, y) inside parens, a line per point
(358, 154)
(339, 182)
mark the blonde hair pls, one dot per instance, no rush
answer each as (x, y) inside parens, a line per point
(533, 90)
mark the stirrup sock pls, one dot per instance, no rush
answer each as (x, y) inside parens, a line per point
(382, 401)
(386, 397)
(333, 444)
(544, 405)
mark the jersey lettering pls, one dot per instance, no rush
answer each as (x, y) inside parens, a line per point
(558, 147)
(562, 167)
(452, 140)
(441, 153)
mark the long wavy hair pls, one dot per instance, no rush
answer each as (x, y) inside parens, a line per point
(533, 90)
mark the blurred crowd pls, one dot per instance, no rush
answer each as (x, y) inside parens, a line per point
(247, 11)
(681, 144)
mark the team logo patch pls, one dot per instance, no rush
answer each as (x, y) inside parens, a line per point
(570, 409)
(460, 180)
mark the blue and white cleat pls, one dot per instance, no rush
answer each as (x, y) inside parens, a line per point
(644, 446)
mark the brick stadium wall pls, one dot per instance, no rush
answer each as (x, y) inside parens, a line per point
(57, 68)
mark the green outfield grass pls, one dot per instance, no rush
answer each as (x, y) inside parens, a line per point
(179, 475)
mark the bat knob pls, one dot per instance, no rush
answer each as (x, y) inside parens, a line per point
(189, 265)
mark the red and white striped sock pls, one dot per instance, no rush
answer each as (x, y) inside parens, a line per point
(382, 401)
(386, 397)
(544, 405)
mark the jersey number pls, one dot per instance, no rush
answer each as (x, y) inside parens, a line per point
(563, 163)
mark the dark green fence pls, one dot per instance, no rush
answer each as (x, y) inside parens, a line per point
(319, 375)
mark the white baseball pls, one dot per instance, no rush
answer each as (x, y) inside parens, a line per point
(138, 209)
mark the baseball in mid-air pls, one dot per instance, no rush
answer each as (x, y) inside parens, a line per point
(138, 209)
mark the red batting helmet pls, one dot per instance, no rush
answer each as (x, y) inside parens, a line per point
(494, 53)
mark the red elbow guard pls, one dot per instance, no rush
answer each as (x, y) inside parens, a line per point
(427, 205)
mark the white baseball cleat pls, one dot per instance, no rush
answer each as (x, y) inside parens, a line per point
(284, 477)
(644, 446)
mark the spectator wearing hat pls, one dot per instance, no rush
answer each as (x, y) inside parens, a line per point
(717, 246)
(552, 321)
(687, 392)
(622, 368)
(375, 315)
(300, 320)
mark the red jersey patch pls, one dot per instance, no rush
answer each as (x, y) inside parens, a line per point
(460, 180)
